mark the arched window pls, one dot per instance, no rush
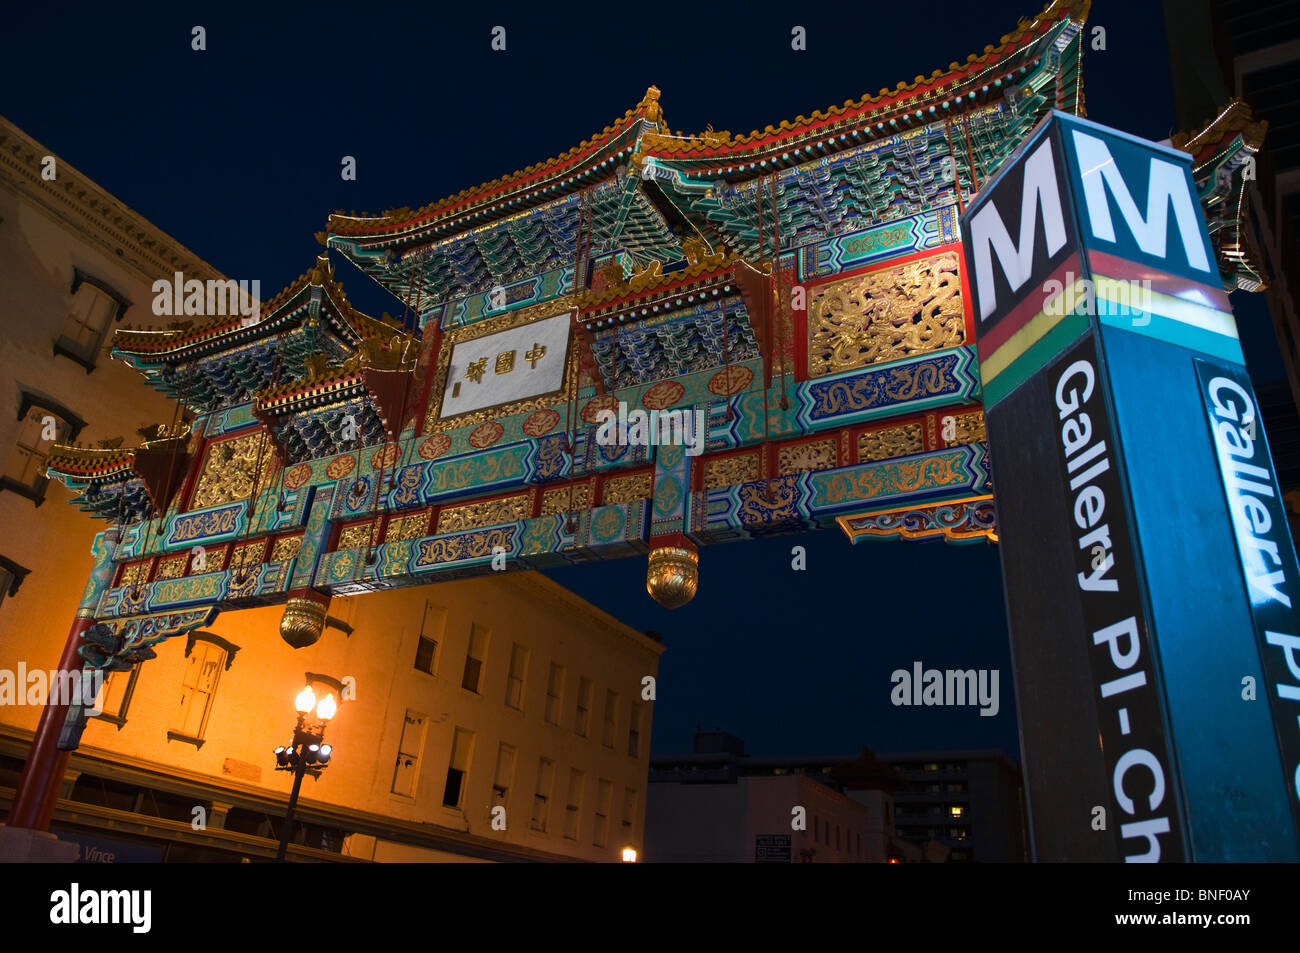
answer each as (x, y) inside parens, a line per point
(207, 656)
(95, 307)
(42, 423)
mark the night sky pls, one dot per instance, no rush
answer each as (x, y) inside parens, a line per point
(236, 152)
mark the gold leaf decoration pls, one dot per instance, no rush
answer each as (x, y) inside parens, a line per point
(730, 471)
(627, 489)
(819, 455)
(885, 315)
(486, 513)
(890, 442)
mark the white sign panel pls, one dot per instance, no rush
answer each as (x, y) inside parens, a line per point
(507, 366)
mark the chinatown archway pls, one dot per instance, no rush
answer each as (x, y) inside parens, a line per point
(657, 342)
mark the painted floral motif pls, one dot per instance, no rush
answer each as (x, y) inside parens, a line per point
(608, 524)
(385, 458)
(295, 477)
(541, 422)
(591, 411)
(730, 380)
(435, 446)
(663, 395)
(484, 435)
(341, 467)
(357, 493)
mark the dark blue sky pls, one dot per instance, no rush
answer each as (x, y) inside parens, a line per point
(236, 152)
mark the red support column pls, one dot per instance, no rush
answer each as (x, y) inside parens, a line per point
(38, 788)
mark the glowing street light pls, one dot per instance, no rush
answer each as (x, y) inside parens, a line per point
(327, 707)
(306, 754)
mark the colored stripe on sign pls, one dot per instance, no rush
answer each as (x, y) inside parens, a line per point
(1176, 320)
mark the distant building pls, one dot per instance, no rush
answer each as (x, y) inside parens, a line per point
(720, 805)
(972, 802)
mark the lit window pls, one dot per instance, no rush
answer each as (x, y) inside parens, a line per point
(432, 625)
(515, 679)
(604, 799)
(409, 749)
(629, 810)
(611, 718)
(42, 424)
(478, 639)
(542, 794)
(634, 731)
(198, 689)
(554, 693)
(95, 306)
(505, 775)
(584, 707)
(424, 654)
(573, 805)
(115, 696)
(956, 811)
(932, 766)
(462, 749)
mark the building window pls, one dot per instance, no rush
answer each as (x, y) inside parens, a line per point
(198, 689)
(424, 654)
(542, 795)
(95, 307)
(634, 731)
(554, 693)
(611, 718)
(431, 629)
(115, 697)
(957, 833)
(581, 724)
(515, 678)
(42, 423)
(604, 797)
(573, 803)
(629, 811)
(478, 639)
(11, 577)
(462, 749)
(817, 831)
(409, 749)
(956, 810)
(505, 775)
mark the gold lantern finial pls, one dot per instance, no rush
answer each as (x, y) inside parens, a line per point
(303, 622)
(673, 575)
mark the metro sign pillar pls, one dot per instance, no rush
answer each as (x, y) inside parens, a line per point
(1150, 575)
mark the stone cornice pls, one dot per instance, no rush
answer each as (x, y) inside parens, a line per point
(88, 209)
(542, 588)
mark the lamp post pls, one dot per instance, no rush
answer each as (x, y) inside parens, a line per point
(306, 754)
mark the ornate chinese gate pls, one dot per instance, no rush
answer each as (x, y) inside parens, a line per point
(802, 289)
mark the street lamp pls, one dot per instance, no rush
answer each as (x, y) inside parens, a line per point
(629, 855)
(306, 754)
